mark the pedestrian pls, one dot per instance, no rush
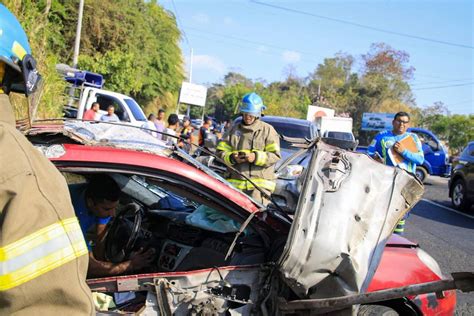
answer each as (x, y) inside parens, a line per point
(150, 125)
(110, 116)
(225, 128)
(160, 123)
(173, 124)
(93, 113)
(186, 135)
(204, 131)
(399, 148)
(43, 254)
(252, 147)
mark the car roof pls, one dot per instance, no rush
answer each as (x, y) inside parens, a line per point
(282, 119)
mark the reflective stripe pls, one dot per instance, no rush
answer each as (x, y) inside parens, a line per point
(227, 158)
(261, 158)
(40, 252)
(246, 185)
(224, 146)
(18, 50)
(272, 147)
(400, 227)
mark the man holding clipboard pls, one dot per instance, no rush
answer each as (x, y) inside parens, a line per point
(398, 148)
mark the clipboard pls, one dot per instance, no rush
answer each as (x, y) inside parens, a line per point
(409, 143)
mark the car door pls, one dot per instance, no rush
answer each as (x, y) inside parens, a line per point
(468, 162)
(348, 207)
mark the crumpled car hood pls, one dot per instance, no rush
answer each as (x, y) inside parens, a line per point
(103, 134)
(349, 207)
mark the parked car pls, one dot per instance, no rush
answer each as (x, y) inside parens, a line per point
(436, 161)
(461, 182)
(221, 253)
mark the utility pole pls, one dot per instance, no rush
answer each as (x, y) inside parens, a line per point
(77, 43)
(188, 110)
(78, 34)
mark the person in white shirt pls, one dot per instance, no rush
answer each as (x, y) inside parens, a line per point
(150, 125)
(173, 124)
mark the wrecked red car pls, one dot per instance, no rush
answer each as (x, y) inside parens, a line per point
(218, 252)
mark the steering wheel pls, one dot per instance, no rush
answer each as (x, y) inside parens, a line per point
(123, 233)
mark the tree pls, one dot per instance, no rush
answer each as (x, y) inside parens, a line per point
(134, 44)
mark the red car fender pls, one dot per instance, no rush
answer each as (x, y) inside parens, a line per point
(401, 266)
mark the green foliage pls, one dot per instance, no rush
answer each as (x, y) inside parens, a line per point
(39, 19)
(133, 43)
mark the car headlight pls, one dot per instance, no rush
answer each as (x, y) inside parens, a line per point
(290, 172)
(53, 151)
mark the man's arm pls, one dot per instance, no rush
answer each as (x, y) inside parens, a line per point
(225, 151)
(139, 260)
(375, 149)
(271, 153)
(414, 157)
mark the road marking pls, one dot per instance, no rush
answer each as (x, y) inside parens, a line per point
(448, 208)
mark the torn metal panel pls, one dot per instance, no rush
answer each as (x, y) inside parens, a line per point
(110, 135)
(349, 207)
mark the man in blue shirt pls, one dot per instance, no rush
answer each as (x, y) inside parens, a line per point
(94, 204)
(388, 144)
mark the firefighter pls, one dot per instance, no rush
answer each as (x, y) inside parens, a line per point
(252, 147)
(43, 256)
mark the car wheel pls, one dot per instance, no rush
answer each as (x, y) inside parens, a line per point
(376, 310)
(458, 197)
(421, 174)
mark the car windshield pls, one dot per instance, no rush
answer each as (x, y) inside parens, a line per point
(136, 111)
(291, 130)
(340, 135)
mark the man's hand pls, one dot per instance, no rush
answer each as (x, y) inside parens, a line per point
(250, 157)
(399, 148)
(141, 258)
(377, 157)
(238, 158)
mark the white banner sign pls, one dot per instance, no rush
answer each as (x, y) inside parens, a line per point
(193, 94)
(317, 111)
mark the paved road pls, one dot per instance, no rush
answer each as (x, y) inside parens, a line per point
(446, 235)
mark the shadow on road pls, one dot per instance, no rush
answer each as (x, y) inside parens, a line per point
(434, 213)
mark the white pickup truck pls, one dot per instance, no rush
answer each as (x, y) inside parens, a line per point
(336, 131)
(86, 88)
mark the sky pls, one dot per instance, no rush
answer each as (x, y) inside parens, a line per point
(262, 39)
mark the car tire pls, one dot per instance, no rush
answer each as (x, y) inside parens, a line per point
(376, 310)
(421, 174)
(458, 196)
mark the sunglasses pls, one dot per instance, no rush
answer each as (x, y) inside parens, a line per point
(402, 122)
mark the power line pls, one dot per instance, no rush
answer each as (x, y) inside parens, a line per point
(438, 82)
(247, 45)
(361, 25)
(448, 86)
(226, 36)
(177, 17)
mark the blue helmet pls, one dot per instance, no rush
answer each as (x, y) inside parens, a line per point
(20, 71)
(252, 104)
